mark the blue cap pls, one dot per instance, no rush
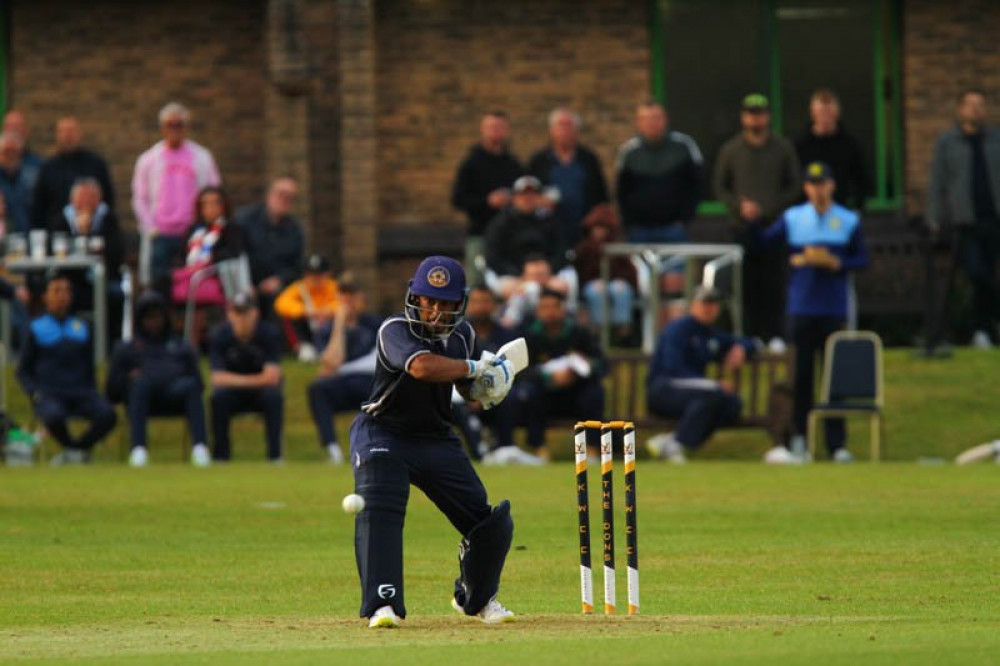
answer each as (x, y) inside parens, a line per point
(439, 277)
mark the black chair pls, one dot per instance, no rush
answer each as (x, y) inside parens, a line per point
(852, 385)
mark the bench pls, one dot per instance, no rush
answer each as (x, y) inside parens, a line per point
(764, 383)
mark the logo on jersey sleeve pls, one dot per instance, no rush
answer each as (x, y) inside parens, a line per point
(438, 277)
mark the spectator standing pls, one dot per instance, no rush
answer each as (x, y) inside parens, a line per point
(574, 171)
(483, 182)
(157, 373)
(17, 182)
(56, 371)
(826, 140)
(165, 184)
(757, 177)
(602, 227)
(964, 191)
(677, 386)
(16, 122)
(825, 244)
(660, 179)
(564, 375)
(244, 354)
(274, 241)
(347, 366)
(70, 164)
(309, 306)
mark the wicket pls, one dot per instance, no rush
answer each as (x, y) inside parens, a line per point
(610, 432)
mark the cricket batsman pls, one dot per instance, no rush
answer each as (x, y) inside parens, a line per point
(404, 436)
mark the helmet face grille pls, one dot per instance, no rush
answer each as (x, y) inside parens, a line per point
(447, 320)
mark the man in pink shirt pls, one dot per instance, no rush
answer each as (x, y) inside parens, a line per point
(165, 183)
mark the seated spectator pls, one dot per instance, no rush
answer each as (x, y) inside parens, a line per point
(88, 217)
(602, 227)
(17, 182)
(347, 365)
(274, 242)
(677, 387)
(157, 374)
(522, 293)
(481, 311)
(825, 244)
(309, 306)
(56, 371)
(564, 376)
(71, 164)
(165, 184)
(521, 229)
(574, 171)
(244, 354)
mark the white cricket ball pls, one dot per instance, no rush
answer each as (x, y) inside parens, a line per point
(353, 503)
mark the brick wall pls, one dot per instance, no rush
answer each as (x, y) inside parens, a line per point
(114, 64)
(947, 47)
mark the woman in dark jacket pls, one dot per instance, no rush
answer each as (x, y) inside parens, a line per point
(212, 237)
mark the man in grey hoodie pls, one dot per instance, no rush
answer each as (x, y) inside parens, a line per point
(963, 191)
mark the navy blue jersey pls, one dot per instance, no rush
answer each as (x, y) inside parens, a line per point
(360, 338)
(398, 401)
(227, 353)
(685, 349)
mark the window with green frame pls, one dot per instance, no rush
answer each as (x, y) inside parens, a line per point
(708, 54)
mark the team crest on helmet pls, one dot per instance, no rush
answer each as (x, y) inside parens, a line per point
(438, 277)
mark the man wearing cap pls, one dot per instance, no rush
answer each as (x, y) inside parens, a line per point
(677, 387)
(756, 177)
(244, 354)
(483, 182)
(964, 192)
(825, 244)
(274, 241)
(404, 436)
(309, 305)
(56, 370)
(347, 365)
(522, 229)
(660, 179)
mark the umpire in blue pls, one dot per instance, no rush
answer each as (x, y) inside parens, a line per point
(404, 436)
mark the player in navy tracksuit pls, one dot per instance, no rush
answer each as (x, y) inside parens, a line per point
(825, 243)
(677, 386)
(404, 436)
(56, 370)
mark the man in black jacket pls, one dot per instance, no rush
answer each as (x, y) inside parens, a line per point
(274, 241)
(482, 185)
(521, 230)
(825, 140)
(70, 164)
(572, 169)
(157, 374)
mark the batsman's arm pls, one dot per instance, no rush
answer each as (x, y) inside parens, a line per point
(435, 368)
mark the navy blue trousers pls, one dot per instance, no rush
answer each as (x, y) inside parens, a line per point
(329, 395)
(809, 336)
(54, 409)
(700, 411)
(227, 402)
(150, 398)
(385, 463)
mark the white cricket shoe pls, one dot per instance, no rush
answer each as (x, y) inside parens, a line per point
(666, 447)
(307, 353)
(200, 456)
(777, 346)
(492, 613)
(383, 618)
(843, 456)
(981, 340)
(511, 455)
(139, 457)
(336, 456)
(779, 455)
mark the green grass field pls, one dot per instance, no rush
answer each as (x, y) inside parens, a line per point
(252, 563)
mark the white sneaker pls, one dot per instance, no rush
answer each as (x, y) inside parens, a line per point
(779, 455)
(200, 456)
(666, 447)
(383, 618)
(777, 346)
(981, 340)
(843, 456)
(139, 457)
(307, 353)
(511, 455)
(336, 456)
(492, 613)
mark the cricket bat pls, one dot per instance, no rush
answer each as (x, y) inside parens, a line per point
(515, 351)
